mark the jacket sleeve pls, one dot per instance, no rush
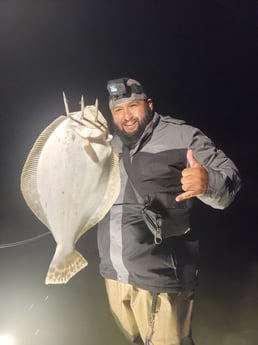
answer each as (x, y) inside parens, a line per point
(224, 178)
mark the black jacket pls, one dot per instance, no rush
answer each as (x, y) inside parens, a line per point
(126, 247)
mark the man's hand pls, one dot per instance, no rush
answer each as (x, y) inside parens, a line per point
(194, 179)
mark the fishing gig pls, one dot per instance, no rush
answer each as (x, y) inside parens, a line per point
(70, 180)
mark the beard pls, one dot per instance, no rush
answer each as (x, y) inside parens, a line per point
(129, 139)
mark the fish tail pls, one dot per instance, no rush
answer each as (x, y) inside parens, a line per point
(62, 270)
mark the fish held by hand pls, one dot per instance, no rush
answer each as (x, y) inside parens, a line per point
(70, 180)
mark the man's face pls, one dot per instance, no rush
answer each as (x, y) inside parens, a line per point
(130, 118)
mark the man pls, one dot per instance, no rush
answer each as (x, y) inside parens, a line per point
(151, 274)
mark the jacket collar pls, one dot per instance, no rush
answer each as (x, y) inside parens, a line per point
(146, 135)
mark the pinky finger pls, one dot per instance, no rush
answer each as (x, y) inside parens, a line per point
(183, 196)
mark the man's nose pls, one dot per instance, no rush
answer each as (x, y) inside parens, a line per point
(127, 114)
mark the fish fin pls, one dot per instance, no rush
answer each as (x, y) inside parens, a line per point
(62, 270)
(28, 182)
(110, 196)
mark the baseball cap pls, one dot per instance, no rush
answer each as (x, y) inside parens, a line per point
(124, 90)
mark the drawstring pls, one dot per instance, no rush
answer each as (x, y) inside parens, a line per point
(152, 317)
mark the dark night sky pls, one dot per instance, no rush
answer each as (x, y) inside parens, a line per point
(197, 60)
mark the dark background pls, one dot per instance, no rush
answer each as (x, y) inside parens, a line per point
(197, 60)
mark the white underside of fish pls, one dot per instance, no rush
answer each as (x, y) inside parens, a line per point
(70, 180)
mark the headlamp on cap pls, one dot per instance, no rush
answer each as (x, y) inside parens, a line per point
(124, 89)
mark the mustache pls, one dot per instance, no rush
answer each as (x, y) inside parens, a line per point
(131, 120)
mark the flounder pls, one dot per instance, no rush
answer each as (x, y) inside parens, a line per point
(70, 180)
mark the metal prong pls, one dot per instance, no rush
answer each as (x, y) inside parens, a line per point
(66, 105)
(82, 107)
(97, 109)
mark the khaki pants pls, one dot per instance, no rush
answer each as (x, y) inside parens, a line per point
(132, 308)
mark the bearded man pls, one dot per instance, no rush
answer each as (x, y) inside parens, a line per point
(148, 249)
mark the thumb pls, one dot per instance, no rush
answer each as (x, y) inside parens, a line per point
(190, 158)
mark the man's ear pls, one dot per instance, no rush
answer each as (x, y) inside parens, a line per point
(150, 104)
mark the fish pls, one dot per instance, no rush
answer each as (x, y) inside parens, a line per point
(70, 180)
